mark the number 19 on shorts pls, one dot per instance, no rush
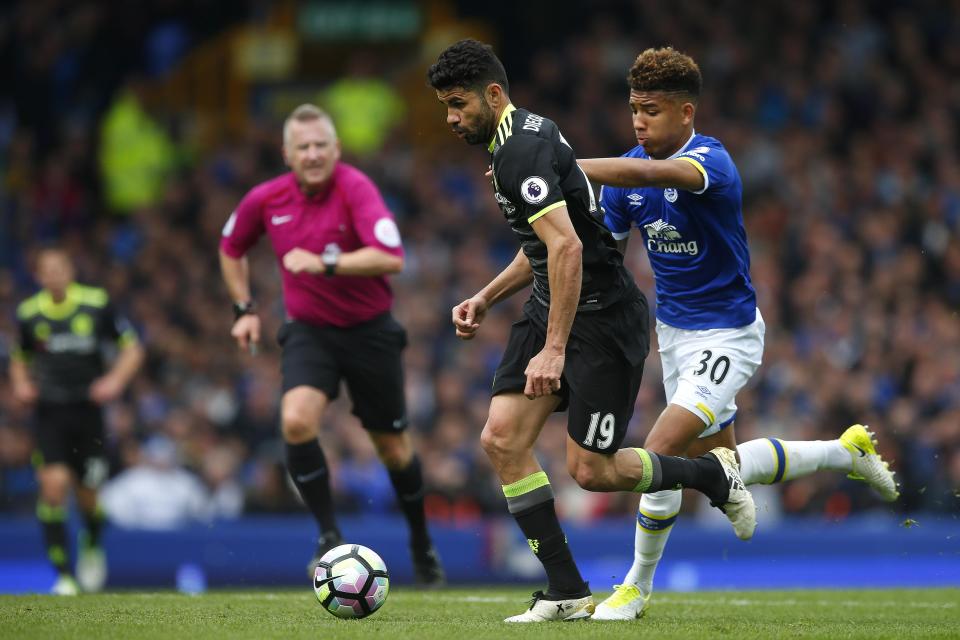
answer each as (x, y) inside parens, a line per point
(604, 428)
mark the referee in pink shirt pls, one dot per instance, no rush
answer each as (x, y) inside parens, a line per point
(336, 241)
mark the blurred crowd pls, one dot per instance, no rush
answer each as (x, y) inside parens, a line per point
(843, 120)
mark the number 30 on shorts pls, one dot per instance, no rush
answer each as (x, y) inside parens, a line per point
(602, 427)
(718, 369)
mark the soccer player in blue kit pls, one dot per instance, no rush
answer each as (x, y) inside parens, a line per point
(682, 191)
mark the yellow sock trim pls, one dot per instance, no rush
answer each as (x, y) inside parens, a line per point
(57, 555)
(646, 476)
(50, 513)
(526, 485)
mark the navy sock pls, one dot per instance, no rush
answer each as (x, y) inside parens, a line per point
(408, 483)
(308, 468)
(548, 542)
(703, 474)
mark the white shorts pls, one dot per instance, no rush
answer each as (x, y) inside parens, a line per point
(704, 369)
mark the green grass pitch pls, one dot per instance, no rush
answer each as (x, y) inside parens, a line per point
(467, 613)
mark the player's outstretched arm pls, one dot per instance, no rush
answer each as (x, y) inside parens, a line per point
(468, 315)
(641, 172)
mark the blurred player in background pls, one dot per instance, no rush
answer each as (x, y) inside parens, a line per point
(683, 191)
(336, 242)
(581, 342)
(59, 366)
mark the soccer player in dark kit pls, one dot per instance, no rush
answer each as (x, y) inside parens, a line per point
(581, 342)
(59, 367)
(336, 241)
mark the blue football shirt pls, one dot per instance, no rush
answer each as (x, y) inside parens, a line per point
(695, 240)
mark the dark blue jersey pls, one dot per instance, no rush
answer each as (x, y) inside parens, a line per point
(695, 240)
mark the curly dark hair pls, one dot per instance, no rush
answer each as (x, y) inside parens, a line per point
(468, 64)
(667, 70)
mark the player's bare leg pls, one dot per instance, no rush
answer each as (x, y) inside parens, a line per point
(508, 438)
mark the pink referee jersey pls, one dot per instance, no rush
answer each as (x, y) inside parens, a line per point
(348, 213)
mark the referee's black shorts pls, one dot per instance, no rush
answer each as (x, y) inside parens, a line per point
(72, 433)
(602, 371)
(368, 356)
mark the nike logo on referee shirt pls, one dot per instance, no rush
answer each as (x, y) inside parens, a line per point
(281, 219)
(307, 477)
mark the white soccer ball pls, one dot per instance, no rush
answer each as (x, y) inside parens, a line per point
(351, 581)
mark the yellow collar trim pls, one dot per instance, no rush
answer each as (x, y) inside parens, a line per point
(58, 310)
(503, 116)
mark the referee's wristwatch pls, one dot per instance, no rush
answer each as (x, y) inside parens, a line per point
(329, 258)
(240, 309)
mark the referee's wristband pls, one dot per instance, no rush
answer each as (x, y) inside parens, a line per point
(241, 309)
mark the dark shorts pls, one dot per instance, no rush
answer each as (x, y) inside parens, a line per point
(72, 433)
(602, 371)
(368, 356)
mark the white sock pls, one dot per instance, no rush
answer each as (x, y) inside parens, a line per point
(658, 511)
(769, 460)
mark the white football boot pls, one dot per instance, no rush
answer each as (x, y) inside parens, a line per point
(91, 569)
(867, 463)
(627, 602)
(542, 610)
(65, 586)
(739, 507)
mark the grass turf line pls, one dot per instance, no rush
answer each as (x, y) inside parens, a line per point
(477, 613)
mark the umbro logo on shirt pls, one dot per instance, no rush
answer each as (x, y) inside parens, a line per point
(635, 199)
(281, 219)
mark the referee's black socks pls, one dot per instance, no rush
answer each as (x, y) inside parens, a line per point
(408, 483)
(308, 468)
